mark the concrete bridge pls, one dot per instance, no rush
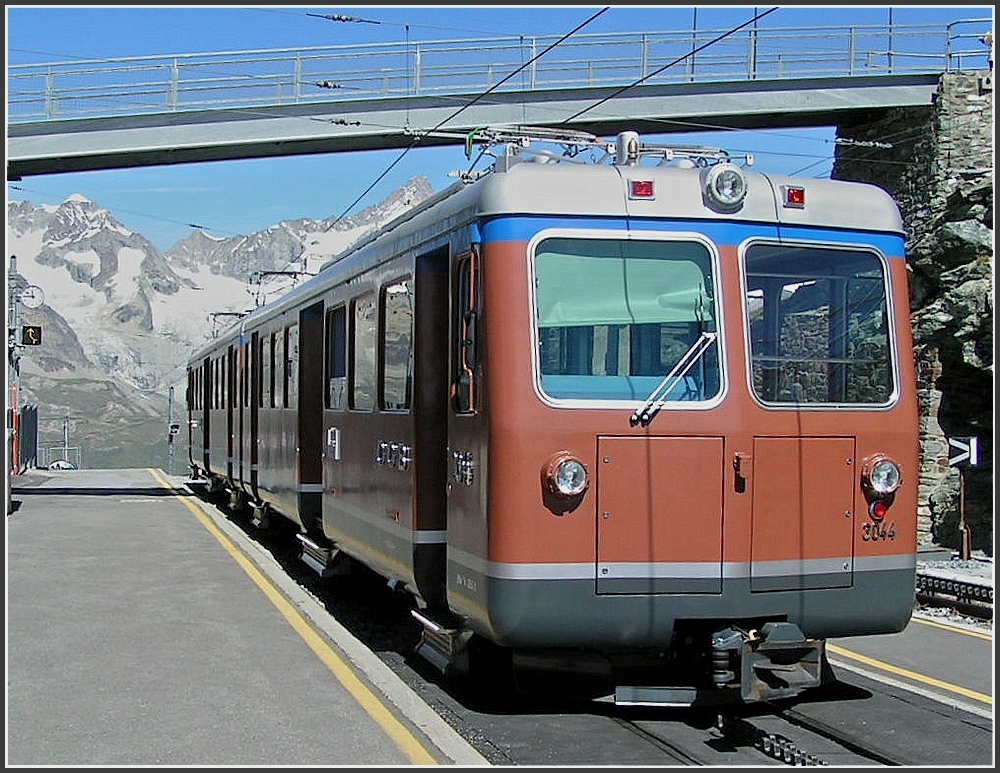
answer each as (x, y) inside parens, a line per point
(145, 111)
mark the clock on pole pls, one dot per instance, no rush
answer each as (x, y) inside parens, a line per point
(32, 296)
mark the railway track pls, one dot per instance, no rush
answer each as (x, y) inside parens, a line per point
(766, 735)
(962, 591)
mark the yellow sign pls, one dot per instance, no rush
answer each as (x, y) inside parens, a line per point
(31, 335)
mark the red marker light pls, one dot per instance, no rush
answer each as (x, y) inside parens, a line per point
(795, 196)
(641, 189)
(878, 510)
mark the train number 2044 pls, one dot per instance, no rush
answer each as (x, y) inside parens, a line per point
(876, 532)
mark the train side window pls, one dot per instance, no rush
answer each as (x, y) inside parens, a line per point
(238, 370)
(230, 378)
(257, 372)
(397, 345)
(466, 352)
(292, 366)
(246, 363)
(336, 358)
(216, 383)
(364, 321)
(278, 395)
(267, 371)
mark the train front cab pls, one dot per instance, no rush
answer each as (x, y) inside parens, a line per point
(690, 451)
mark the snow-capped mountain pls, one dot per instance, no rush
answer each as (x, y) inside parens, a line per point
(117, 308)
(125, 300)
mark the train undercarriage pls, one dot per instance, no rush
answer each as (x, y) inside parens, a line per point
(707, 663)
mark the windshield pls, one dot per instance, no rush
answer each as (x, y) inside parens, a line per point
(614, 316)
(819, 331)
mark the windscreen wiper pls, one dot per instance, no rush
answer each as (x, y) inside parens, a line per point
(658, 397)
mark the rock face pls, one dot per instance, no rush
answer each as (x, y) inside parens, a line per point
(940, 171)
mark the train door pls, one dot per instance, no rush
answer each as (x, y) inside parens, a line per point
(307, 348)
(205, 412)
(467, 451)
(238, 413)
(350, 439)
(431, 381)
(229, 404)
(193, 425)
(334, 413)
(392, 425)
(267, 421)
(254, 397)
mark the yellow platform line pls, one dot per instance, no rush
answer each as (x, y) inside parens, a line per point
(377, 710)
(952, 628)
(928, 680)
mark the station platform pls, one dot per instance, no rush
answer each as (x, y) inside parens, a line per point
(143, 628)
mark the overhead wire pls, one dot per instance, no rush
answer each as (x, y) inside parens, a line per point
(466, 106)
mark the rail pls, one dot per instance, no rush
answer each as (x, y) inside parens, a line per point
(297, 76)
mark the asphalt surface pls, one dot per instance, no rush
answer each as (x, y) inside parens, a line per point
(185, 665)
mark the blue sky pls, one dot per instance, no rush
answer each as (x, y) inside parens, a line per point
(240, 197)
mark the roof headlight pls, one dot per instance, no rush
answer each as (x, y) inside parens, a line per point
(725, 186)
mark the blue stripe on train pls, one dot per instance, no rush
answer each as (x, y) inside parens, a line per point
(521, 228)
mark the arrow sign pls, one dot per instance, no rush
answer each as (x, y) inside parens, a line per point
(967, 451)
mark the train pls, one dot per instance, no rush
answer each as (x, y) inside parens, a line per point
(635, 415)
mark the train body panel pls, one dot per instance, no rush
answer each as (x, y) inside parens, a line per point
(701, 501)
(596, 407)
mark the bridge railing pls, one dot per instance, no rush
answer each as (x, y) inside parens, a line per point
(469, 67)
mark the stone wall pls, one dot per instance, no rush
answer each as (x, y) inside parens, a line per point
(937, 162)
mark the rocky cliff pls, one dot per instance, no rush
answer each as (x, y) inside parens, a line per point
(938, 165)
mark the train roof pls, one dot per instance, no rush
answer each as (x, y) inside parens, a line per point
(546, 184)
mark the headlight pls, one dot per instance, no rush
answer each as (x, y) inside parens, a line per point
(725, 186)
(881, 475)
(565, 475)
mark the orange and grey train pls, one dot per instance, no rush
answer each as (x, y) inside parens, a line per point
(649, 417)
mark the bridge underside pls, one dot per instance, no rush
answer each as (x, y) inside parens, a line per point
(53, 147)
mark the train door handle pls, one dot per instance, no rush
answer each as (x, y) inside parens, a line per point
(742, 466)
(333, 443)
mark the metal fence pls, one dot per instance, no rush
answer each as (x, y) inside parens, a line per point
(232, 79)
(70, 454)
